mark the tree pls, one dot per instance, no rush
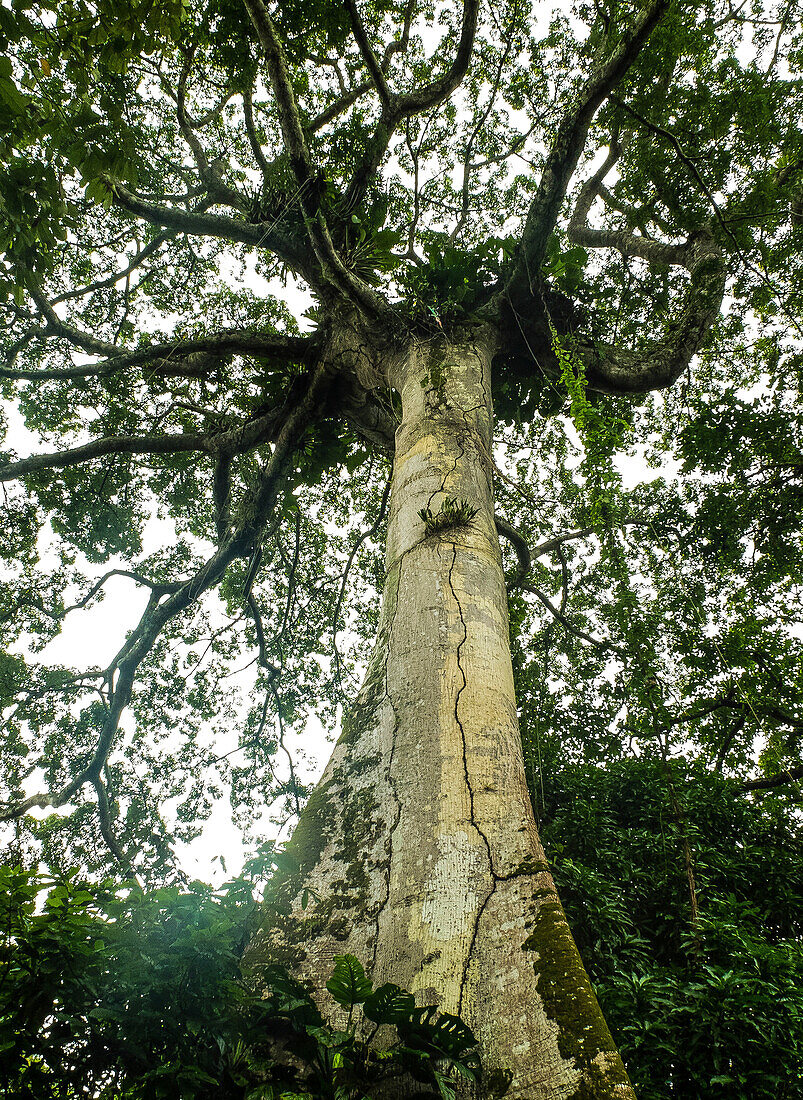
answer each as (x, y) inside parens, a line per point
(161, 163)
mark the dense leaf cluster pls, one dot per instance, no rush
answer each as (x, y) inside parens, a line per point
(618, 190)
(124, 994)
(706, 1003)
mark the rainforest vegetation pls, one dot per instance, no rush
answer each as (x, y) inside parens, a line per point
(452, 349)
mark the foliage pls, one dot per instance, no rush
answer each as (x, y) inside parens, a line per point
(453, 282)
(602, 432)
(121, 993)
(166, 188)
(703, 1008)
(125, 130)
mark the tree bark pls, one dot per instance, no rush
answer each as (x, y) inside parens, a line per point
(419, 844)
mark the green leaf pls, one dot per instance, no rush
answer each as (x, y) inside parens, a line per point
(389, 1005)
(349, 985)
(445, 1087)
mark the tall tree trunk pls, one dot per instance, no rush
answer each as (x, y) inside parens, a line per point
(419, 843)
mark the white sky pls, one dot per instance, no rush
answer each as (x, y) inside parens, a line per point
(98, 634)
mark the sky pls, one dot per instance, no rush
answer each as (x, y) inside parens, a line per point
(96, 636)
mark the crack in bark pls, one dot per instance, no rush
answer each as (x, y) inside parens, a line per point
(485, 385)
(486, 842)
(484, 382)
(487, 405)
(464, 413)
(448, 473)
(391, 781)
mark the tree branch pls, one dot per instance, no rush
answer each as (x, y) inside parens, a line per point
(524, 276)
(286, 106)
(658, 365)
(224, 228)
(368, 55)
(625, 241)
(399, 107)
(111, 445)
(564, 621)
(661, 362)
(159, 611)
(221, 493)
(330, 113)
(692, 167)
(789, 775)
(436, 91)
(159, 587)
(333, 271)
(728, 740)
(190, 356)
(115, 277)
(349, 98)
(106, 830)
(519, 544)
(558, 541)
(209, 175)
(250, 129)
(55, 326)
(525, 556)
(479, 126)
(245, 436)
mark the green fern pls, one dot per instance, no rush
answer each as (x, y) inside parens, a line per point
(453, 513)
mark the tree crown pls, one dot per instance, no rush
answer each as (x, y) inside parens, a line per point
(592, 187)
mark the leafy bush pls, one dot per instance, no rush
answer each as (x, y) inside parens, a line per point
(705, 1011)
(125, 994)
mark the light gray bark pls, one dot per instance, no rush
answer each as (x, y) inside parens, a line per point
(420, 842)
